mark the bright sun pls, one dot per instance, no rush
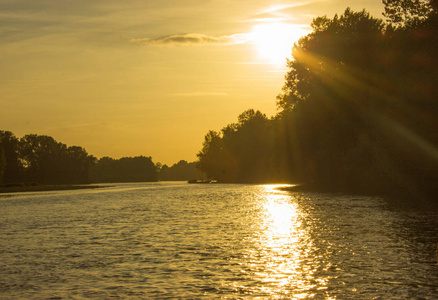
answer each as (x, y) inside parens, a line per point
(275, 40)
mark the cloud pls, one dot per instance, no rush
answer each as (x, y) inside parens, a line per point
(283, 12)
(277, 8)
(193, 39)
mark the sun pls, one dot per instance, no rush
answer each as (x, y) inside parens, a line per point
(274, 41)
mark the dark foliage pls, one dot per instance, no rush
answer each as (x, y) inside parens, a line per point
(10, 165)
(358, 111)
(126, 169)
(241, 152)
(181, 171)
(40, 159)
(47, 161)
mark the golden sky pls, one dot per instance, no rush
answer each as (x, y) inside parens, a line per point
(146, 77)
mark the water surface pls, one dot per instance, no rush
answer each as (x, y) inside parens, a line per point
(174, 240)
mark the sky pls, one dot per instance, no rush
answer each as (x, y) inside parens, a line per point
(146, 77)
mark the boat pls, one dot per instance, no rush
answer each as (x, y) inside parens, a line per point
(202, 181)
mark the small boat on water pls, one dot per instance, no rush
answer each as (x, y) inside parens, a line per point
(202, 181)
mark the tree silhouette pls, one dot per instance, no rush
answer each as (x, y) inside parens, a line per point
(50, 162)
(125, 169)
(211, 156)
(40, 159)
(358, 110)
(179, 171)
(2, 164)
(241, 152)
(401, 13)
(10, 165)
(360, 101)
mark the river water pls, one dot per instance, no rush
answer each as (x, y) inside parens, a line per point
(174, 240)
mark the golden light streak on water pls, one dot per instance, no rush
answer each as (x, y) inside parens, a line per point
(174, 240)
(283, 247)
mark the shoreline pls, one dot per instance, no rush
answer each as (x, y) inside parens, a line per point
(44, 188)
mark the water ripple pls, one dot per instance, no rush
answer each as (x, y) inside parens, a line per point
(214, 241)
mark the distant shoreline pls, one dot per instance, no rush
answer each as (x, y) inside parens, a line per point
(44, 188)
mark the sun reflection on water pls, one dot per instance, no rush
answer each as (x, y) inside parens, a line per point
(284, 248)
(281, 216)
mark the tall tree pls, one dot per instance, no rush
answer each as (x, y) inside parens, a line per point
(330, 88)
(211, 156)
(2, 164)
(250, 144)
(242, 151)
(357, 115)
(41, 155)
(77, 162)
(11, 162)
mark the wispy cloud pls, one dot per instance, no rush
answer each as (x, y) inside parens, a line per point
(277, 8)
(192, 39)
(281, 13)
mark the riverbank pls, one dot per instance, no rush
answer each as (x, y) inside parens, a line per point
(43, 188)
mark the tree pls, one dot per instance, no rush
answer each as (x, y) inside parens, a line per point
(125, 169)
(137, 169)
(76, 165)
(250, 144)
(50, 162)
(402, 13)
(356, 97)
(339, 53)
(179, 171)
(2, 165)
(11, 162)
(41, 156)
(211, 156)
(330, 88)
(242, 151)
(104, 170)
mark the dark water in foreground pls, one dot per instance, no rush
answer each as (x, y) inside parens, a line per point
(173, 240)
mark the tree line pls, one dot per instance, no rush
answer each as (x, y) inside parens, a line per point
(40, 159)
(181, 171)
(358, 110)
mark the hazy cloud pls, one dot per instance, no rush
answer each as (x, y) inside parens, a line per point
(282, 12)
(192, 39)
(277, 8)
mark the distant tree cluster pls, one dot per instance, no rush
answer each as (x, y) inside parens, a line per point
(126, 169)
(41, 159)
(358, 111)
(181, 171)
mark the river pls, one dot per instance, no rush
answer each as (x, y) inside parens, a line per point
(174, 240)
